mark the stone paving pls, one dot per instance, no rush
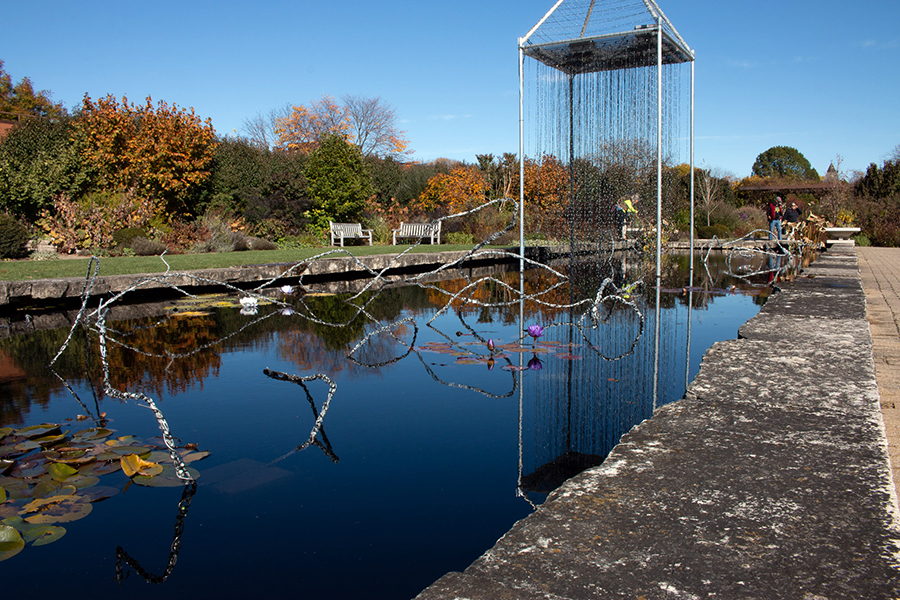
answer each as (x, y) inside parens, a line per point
(770, 479)
(880, 272)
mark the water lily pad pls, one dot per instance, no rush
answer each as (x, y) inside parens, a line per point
(2, 495)
(83, 481)
(125, 440)
(167, 478)
(16, 489)
(158, 456)
(470, 361)
(191, 313)
(5, 431)
(39, 430)
(59, 471)
(132, 464)
(44, 534)
(98, 493)
(31, 471)
(100, 468)
(194, 456)
(117, 452)
(11, 542)
(92, 434)
(27, 446)
(48, 489)
(59, 509)
(10, 450)
(49, 440)
(5, 464)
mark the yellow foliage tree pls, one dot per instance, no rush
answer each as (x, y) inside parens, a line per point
(303, 128)
(161, 152)
(462, 189)
(368, 123)
(546, 189)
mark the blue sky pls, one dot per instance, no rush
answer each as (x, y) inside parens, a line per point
(823, 76)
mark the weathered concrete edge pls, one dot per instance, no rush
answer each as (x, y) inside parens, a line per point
(550, 554)
(339, 264)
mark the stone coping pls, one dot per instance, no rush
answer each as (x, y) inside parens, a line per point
(769, 479)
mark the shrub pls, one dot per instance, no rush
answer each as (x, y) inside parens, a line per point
(89, 222)
(719, 230)
(256, 243)
(307, 239)
(460, 238)
(144, 247)
(14, 237)
(180, 236)
(124, 237)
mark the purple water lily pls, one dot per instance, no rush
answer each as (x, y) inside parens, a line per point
(490, 345)
(535, 363)
(535, 331)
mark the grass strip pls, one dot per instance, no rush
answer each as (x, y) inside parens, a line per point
(26, 270)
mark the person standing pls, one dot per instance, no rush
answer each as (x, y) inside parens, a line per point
(775, 214)
(792, 214)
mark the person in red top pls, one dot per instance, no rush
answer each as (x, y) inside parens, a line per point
(775, 214)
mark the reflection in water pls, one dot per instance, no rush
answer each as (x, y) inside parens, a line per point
(190, 488)
(583, 375)
(319, 416)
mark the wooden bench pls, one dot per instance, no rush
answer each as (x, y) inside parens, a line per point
(348, 231)
(431, 231)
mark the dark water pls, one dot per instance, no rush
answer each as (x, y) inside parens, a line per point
(427, 453)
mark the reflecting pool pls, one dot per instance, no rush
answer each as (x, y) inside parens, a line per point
(358, 446)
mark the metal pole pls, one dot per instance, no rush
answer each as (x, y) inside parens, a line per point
(659, 123)
(658, 207)
(521, 161)
(692, 173)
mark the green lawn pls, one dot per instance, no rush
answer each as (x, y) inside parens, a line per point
(23, 270)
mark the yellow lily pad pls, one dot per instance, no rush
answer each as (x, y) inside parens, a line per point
(11, 542)
(44, 534)
(132, 465)
(59, 509)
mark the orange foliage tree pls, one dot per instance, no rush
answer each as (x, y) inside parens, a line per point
(463, 188)
(304, 127)
(161, 152)
(546, 190)
(368, 123)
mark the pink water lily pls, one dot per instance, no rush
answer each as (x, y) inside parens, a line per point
(490, 345)
(535, 331)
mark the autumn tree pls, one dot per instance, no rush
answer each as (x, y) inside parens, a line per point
(261, 129)
(338, 182)
(22, 98)
(159, 151)
(462, 189)
(546, 189)
(367, 122)
(304, 127)
(373, 127)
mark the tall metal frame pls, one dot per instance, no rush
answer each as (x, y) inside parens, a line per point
(656, 40)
